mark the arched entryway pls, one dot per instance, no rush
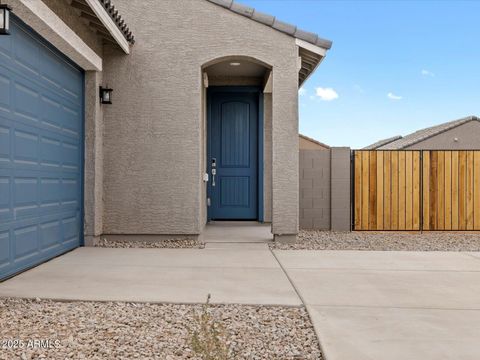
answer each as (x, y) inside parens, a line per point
(236, 139)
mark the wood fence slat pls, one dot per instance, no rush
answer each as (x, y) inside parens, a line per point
(409, 191)
(416, 190)
(365, 188)
(440, 191)
(433, 189)
(380, 190)
(372, 201)
(476, 190)
(387, 177)
(402, 191)
(358, 190)
(455, 176)
(395, 172)
(448, 190)
(462, 190)
(470, 181)
(426, 190)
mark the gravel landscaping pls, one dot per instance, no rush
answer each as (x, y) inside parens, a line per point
(161, 244)
(94, 330)
(394, 241)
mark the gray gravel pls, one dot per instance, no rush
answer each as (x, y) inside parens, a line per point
(395, 241)
(94, 330)
(163, 244)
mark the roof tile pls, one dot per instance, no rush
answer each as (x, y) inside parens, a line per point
(284, 27)
(306, 36)
(242, 9)
(224, 3)
(265, 19)
(271, 21)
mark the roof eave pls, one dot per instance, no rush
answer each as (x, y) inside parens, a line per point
(110, 25)
(311, 58)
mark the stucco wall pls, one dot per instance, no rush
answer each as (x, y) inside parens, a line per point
(468, 136)
(267, 158)
(93, 188)
(154, 132)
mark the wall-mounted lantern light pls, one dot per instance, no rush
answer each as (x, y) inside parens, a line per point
(5, 19)
(105, 95)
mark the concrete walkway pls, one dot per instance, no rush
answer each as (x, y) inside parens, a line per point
(390, 305)
(158, 275)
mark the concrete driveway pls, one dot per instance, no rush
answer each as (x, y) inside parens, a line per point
(363, 304)
(390, 305)
(230, 275)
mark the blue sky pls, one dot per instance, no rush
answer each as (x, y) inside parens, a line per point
(425, 54)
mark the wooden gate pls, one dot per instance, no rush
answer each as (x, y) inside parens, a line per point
(411, 190)
(387, 190)
(451, 190)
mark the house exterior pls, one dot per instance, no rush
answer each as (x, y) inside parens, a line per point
(461, 134)
(307, 143)
(203, 122)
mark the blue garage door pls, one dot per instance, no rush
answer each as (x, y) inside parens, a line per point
(41, 135)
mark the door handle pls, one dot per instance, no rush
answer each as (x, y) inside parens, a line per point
(214, 170)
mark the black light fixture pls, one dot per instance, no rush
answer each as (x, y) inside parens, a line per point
(105, 95)
(5, 19)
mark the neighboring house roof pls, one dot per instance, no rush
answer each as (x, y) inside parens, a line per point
(380, 143)
(314, 141)
(274, 23)
(425, 134)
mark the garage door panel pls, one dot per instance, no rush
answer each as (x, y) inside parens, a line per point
(36, 148)
(11, 73)
(4, 249)
(25, 240)
(5, 84)
(70, 229)
(4, 144)
(52, 113)
(5, 199)
(50, 234)
(50, 152)
(41, 133)
(26, 50)
(55, 71)
(25, 147)
(6, 48)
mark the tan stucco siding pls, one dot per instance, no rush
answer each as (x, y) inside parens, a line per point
(93, 177)
(267, 158)
(70, 17)
(285, 188)
(154, 132)
(467, 135)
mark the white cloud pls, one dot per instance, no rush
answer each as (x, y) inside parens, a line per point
(326, 94)
(302, 91)
(392, 96)
(427, 73)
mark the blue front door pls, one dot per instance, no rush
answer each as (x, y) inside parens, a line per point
(233, 155)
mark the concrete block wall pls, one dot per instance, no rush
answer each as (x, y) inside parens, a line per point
(324, 183)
